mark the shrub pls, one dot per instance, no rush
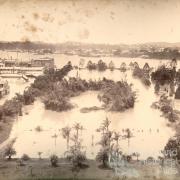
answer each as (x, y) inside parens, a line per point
(54, 160)
(25, 157)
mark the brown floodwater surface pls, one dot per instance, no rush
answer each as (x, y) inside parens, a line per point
(150, 132)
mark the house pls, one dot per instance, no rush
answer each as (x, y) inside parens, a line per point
(43, 62)
(10, 62)
(4, 88)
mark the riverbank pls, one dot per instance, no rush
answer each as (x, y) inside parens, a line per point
(41, 169)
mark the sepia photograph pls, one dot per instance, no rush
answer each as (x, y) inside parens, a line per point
(89, 89)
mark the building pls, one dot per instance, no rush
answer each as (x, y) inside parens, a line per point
(43, 62)
(17, 71)
(9, 62)
(4, 88)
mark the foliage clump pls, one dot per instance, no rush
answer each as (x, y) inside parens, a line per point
(117, 96)
(163, 75)
(54, 160)
(142, 75)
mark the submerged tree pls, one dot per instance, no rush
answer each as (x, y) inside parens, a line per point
(101, 66)
(66, 134)
(128, 135)
(162, 76)
(117, 137)
(91, 65)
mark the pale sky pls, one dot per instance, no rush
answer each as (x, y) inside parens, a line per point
(95, 21)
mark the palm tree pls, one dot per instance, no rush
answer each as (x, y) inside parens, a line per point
(66, 134)
(128, 135)
(106, 124)
(39, 154)
(77, 127)
(116, 138)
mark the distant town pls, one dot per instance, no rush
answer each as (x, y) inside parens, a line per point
(161, 50)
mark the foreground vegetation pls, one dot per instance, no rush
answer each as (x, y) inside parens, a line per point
(76, 166)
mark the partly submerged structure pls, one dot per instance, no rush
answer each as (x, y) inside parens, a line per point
(4, 87)
(18, 71)
(43, 62)
(111, 66)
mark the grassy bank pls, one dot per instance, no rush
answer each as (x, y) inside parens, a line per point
(41, 169)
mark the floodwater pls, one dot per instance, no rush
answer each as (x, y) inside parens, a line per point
(150, 130)
(16, 86)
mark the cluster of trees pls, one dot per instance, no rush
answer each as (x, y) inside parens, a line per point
(117, 96)
(163, 75)
(165, 106)
(167, 76)
(56, 91)
(142, 75)
(100, 66)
